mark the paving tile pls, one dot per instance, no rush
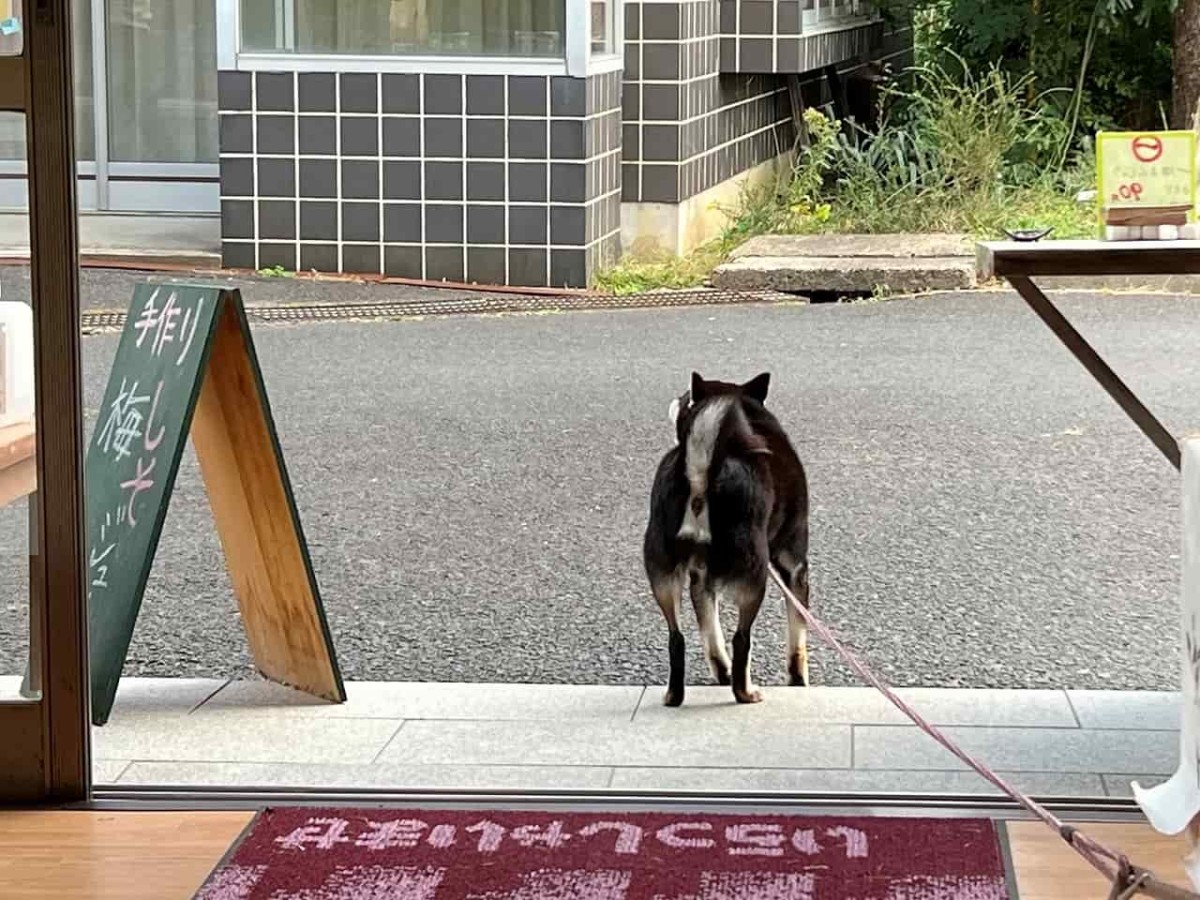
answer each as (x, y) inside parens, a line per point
(866, 706)
(139, 697)
(412, 700)
(1019, 749)
(732, 741)
(846, 780)
(1135, 710)
(1121, 785)
(264, 739)
(395, 776)
(108, 771)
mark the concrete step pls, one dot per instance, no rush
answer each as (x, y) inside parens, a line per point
(845, 275)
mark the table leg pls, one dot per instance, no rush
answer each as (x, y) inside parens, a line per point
(1098, 368)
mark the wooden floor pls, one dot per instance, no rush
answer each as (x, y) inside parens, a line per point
(167, 855)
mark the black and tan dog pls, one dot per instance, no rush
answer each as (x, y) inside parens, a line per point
(729, 499)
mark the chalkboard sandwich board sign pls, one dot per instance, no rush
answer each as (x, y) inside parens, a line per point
(186, 364)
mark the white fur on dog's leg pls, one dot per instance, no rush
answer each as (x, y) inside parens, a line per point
(709, 619)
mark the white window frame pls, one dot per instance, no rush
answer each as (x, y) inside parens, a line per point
(576, 61)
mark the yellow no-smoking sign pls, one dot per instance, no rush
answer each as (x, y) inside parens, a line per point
(1153, 170)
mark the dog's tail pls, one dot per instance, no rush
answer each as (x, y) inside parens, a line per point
(718, 430)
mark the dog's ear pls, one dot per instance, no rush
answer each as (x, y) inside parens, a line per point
(756, 388)
(699, 388)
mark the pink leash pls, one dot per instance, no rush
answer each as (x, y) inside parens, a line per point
(1114, 866)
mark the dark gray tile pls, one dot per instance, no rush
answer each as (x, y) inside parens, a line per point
(319, 258)
(237, 134)
(660, 62)
(365, 259)
(443, 94)
(318, 135)
(728, 17)
(788, 17)
(360, 136)
(568, 182)
(633, 21)
(318, 221)
(359, 92)
(787, 55)
(444, 263)
(728, 55)
(527, 225)
(403, 262)
(443, 224)
(631, 103)
(316, 92)
(660, 142)
(443, 180)
(487, 265)
(238, 255)
(568, 225)
(276, 177)
(281, 255)
(402, 137)
(527, 139)
(277, 219)
(568, 97)
(485, 181)
(527, 268)
(402, 180)
(633, 61)
(567, 139)
(402, 223)
(568, 268)
(631, 184)
(486, 139)
(631, 144)
(757, 17)
(234, 91)
(277, 135)
(485, 95)
(756, 55)
(237, 218)
(485, 225)
(661, 21)
(318, 178)
(360, 222)
(274, 91)
(402, 94)
(660, 102)
(444, 138)
(360, 179)
(660, 184)
(526, 95)
(528, 182)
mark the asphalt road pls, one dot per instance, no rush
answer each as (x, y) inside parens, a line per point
(474, 491)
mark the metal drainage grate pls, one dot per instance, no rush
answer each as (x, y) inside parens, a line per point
(475, 305)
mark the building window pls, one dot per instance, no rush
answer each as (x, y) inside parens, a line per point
(602, 27)
(512, 28)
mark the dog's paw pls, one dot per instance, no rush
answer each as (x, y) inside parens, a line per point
(748, 696)
(673, 698)
(796, 680)
(723, 678)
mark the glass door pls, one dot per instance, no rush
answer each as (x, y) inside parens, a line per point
(160, 135)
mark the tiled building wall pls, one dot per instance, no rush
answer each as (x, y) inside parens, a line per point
(484, 178)
(687, 127)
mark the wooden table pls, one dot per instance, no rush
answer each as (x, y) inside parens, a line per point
(1019, 263)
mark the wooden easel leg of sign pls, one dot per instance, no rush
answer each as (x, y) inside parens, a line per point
(256, 518)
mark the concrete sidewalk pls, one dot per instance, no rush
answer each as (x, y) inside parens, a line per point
(179, 240)
(404, 735)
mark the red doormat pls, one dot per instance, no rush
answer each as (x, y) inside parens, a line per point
(398, 854)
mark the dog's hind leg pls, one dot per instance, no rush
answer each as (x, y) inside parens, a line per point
(748, 594)
(795, 572)
(704, 601)
(668, 591)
